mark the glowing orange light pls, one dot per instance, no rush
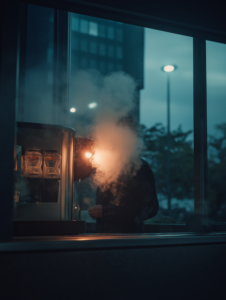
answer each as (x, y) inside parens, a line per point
(88, 154)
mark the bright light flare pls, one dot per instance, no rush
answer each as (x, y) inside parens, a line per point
(92, 105)
(88, 154)
(168, 68)
(72, 110)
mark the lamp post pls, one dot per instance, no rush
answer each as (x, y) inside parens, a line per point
(168, 69)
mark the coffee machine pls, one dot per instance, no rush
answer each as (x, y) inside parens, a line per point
(49, 160)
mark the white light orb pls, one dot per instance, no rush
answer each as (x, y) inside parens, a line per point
(72, 110)
(92, 105)
(168, 68)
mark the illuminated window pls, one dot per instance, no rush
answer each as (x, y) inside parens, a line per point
(102, 30)
(111, 32)
(84, 45)
(75, 24)
(93, 28)
(119, 52)
(93, 47)
(84, 26)
(110, 51)
(102, 49)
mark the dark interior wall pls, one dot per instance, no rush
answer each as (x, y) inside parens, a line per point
(172, 272)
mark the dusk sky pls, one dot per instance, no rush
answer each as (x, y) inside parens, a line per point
(162, 48)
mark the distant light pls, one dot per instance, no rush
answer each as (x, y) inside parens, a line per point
(88, 154)
(169, 68)
(92, 105)
(72, 110)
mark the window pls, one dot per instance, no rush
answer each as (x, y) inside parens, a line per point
(110, 67)
(102, 30)
(74, 23)
(84, 26)
(93, 47)
(216, 129)
(111, 32)
(162, 101)
(93, 28)
(102, 49)
(102, 67)
(119, 52)
(110, 51)
(93, 64)
(83, 63)
(84, 45)
(119, 34)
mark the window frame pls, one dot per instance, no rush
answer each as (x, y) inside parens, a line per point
(200, 35)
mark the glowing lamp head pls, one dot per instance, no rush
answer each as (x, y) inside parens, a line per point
(72, 110)
(169, 68)
(88, 154)
(92, 105)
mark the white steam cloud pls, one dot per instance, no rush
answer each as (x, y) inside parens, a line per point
(117, 146)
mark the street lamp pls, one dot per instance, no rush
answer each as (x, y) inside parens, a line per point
(168, 69)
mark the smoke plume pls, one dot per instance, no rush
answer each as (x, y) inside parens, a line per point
(116, 142)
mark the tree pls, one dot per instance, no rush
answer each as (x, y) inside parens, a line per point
(181, 156)
(217, 174)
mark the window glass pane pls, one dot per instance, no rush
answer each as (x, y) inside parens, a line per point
(74, 23)
(84, 26)
(93, 28)
(119, 52)
(93, 47)
(93, 64)
(216, 128)
(102, 30)
(102, 67)
(119, 34)
(138, 117)
(111, 32)
(84, 45)
(110, 51)
(102, 49)
(110, 67)
(168, 117)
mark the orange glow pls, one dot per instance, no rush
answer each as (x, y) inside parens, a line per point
(88, 154)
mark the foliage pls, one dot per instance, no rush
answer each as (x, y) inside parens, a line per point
(217, 174)
(181, 160)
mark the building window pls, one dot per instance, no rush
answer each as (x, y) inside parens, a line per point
(75, 43)
(50, 55)
(102, 67)
(93, 47)
(83, 63)
(75, 24)
(118, 67)
(102, 49)
(111, 32)
(110, 67)
(119, 52)
(84, 45)
(119, 34)
(110, 51)
(84, 26)
(102, 30)
(93, 28)
(93, 64)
